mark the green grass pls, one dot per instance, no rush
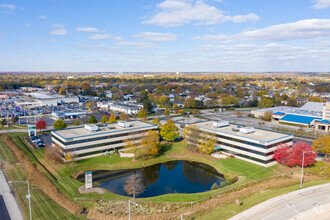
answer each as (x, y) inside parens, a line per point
(14, 127)
(43, 207)
(225, 212)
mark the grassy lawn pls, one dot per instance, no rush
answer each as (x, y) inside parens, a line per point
(14, 127)
(225, 212)
(42, 206)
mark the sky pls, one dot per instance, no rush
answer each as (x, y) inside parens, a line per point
(165, 35)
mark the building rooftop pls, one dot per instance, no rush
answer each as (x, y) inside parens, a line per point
(299, 118)
(324, 121)
(233, 129)
(80, 132)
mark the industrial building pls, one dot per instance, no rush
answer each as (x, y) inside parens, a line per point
(93, 140)
(324, 124)
(246, 143)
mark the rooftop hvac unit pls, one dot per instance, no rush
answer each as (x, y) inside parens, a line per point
(91, 127)
(247, 130)
(124, 124)
(219, 124)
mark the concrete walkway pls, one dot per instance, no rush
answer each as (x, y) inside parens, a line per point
(309, 203)
(9, 199)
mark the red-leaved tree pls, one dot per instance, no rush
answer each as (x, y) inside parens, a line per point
(293, 156)
(41, 125)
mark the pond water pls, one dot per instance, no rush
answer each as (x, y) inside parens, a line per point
(158, 179)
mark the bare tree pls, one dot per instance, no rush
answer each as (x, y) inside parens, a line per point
(134, 185)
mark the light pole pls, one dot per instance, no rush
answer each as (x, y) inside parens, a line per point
(129, 208)
(302, 166)
(28, 196)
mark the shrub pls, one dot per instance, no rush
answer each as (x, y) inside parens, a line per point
(214, 186)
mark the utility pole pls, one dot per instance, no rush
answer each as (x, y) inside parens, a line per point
(28, 196)
(302, 166)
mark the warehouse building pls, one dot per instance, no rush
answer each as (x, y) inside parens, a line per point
(93, 140)
(246, 143)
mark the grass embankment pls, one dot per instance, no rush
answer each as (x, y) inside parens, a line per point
(42, 206)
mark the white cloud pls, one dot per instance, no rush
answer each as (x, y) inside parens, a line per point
(42, 17)
(175, 13)
(104, 36)
(303, 29)
(87, 29)
(139, 44)
(61, 31)
(151, 36)
(321, 4)
(91, 46)
(27, 25)
(7, 6)
(57, 25)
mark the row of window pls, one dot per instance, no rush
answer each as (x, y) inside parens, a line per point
(97, 138)
(249, 157)
(245, 149)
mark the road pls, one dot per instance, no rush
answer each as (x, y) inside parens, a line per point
(3, 210)
(309, 203)
(10, 204)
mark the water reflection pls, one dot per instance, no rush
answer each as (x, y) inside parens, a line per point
(159, 179)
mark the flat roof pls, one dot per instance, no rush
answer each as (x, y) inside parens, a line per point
(81, 132)
(299, 118)
(257, 135)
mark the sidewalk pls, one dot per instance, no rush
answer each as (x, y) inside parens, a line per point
(11, 204)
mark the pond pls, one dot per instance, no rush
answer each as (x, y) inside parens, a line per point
(158, 179)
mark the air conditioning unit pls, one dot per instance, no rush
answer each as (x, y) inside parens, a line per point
(219, 124)
(91, 127)
(247, 130)
(124, 124)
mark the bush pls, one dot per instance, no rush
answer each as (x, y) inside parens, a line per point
(214, 186)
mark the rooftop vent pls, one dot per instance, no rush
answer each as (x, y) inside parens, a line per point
(219, 124)
(91, 127)
(247, 130)
(124, 124)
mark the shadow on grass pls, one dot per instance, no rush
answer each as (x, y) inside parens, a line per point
(165, 149)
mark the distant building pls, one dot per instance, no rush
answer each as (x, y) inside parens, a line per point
(52, 100)
(246, 143)
(324, 124)
(93, 140)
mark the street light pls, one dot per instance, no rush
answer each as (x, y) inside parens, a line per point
(28, 196)
(302, 166)
(129, 208)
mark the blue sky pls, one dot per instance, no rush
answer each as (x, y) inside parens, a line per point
(165, 35)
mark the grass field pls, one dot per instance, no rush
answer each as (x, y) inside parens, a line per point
(42, 206)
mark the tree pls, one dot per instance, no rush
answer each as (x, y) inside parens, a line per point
(315, 99)
(131, 144)
(92, 119)
(53, 154)
(14, 119)
(207, 144)
(190, 103)
(90, 105)
(104, 119)
(69, 157)
(142, 114)
(134, 185)
(196, 112)
(59, 124)
(41, 124)
(322, 145)
(3, 122)
(62, 91)
(169, 131)
(167, 113)
(267, 116)
(112, 118)
(292, 102)
(123, 116)
(150, 143)
(266, 102)
(192, 136)
(293, 156)
(76, 123)
(238, 114)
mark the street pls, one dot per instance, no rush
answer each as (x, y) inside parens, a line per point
(309, 203)
(4, 215)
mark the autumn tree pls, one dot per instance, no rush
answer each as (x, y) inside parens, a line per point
(76, 123)
(90, 105)
(238, 114)
(142, 114)
(134, 186)
(207, 144)
(123, 116)
(196, 112)
(14, 119)
(150, 143)
(62, 91)
(192, 135)
(190, 103)
(169, 131)
(53, 153)
(104, 119)
(322, 145)
(167, 113)
(131, 144)
(266, 102)
(59, 124)
(112, 118)
(41, 124)
(267, 116)
(157, 122)
(92, 119)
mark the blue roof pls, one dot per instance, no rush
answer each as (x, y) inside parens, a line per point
(278, 113)
(299, 119)
(324, 121)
